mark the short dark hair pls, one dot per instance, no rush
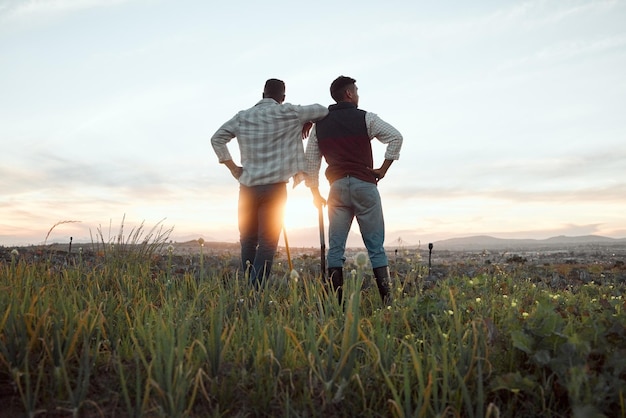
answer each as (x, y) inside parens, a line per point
(275, 89)
(339, 85)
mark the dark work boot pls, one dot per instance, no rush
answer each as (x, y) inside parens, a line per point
(335, 279)
(383, 281)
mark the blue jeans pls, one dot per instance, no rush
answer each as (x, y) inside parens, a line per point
(350, 197)
(261, 210)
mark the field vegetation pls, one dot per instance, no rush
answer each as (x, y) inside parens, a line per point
(126, 328)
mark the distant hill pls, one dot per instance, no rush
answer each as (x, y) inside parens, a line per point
(472, 243)
(484, 242)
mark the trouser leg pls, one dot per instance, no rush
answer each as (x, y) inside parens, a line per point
(369, 215)
(340, 216)
(271, 212)
(261, 210)
(248, 230)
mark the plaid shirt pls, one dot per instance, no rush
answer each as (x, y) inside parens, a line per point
(269, 137)
(376, 128)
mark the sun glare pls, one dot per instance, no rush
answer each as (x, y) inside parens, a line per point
(300, 213)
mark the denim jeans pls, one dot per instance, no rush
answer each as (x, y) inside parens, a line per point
(350, 197)
(261, 210)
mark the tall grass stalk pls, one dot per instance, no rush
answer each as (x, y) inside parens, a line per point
(116, 337)
(135, 247)
(29, 391)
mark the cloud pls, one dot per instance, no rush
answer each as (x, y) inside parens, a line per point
(570, 10)
(595, 166)
(582, 174)
(561, 52)
(609, 194)
(21, 9)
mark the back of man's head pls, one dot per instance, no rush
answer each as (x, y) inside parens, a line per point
(338, 87)
(274, 89)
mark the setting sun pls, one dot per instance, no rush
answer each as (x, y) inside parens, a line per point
(300, 212)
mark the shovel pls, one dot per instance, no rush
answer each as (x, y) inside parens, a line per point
(320, 212)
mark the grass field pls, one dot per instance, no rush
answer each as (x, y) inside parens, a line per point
(130, 331)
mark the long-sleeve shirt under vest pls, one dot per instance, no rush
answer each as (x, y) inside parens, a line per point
(269, 137)
(343, 138)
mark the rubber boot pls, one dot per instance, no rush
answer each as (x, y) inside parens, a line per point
(335, 279)
(383, 281)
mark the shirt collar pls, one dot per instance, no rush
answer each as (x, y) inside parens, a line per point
(342, 105)
(267, 101)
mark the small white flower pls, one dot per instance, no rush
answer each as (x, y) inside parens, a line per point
(294, 275)
(15, 253)
(201, 241)
(170, 248)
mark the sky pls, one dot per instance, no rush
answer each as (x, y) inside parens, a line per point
(512, 113)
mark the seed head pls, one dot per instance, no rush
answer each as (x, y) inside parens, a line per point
(361, 259)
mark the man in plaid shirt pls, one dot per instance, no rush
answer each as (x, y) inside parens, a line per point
(269, 135)
(343, 138)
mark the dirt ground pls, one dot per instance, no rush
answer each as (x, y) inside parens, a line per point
(559, 267)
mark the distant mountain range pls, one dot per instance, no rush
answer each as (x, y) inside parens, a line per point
(484, 242)
(472, 243)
